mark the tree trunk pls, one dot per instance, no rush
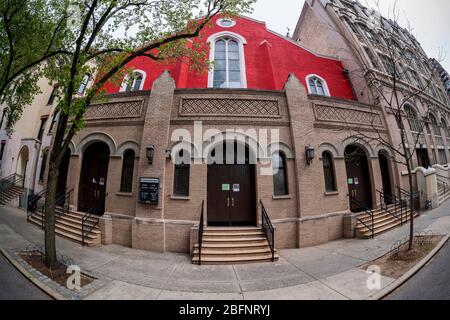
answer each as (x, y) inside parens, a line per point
(411, 204)
(50, 204)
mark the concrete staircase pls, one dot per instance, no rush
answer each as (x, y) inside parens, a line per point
(69, 226)
(383, 221)
(9, 193)
(444, 192)
(233, 246)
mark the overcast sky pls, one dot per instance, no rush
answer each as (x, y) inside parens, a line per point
(430, 20)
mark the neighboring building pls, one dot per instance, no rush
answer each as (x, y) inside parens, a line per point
(443, 75)
(146, 143)
(350, 31)
(25, 151)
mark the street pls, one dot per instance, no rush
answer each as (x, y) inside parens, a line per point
(14, 286)
(430, 283)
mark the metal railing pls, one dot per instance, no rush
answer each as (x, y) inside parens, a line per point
(10, 181)
(86, 228)
(60, 200)
(268, 230)
(365, 214)
(63, 202)
(201, 227)
(405, 197)
(33, 201)
(393, 207)
(443, 181)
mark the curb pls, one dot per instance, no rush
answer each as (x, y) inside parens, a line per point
(52, 293)
(400, 281)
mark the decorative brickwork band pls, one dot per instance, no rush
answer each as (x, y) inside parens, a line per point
(230, 107)
(117, 110)
(347, 116)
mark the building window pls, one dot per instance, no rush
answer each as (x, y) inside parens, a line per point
(43, 165)
(413, 119)
(182, 175)
(84, 84)
(317, 86)
(446, 129)
(388, 65)
(3, 118)
(351, 25)
(435, 125)
(371, 57)
(53, 95)
(54, 120)
(328, 171)
(280, 186)
(41, 129)
(2, 149)
(227, 64)
(226, 23)
(126, 183)
(136, 85)
(442, 157)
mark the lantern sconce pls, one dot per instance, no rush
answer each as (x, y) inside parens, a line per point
(309, 150)
(168, 153)
(150, 153)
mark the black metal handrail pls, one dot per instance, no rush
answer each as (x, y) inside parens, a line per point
(12, 180)
(395, 202)
(366, 211)
(201, 226)
(268, 230)
(32, 203)
(58, 197)
(61, 200)
(85, 228)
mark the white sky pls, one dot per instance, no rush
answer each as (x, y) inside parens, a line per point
(429, 20)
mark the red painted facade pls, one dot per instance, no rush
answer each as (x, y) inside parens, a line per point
(269, 59)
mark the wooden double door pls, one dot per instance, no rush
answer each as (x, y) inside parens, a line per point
(231, 195)
(94, 172)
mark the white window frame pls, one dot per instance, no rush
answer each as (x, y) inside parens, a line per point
(219, 22)
(324, 84)
(123, 86)
(241, 42)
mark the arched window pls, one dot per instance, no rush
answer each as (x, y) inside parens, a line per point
(227, 64)
(280, 186)
(43, 165)
(126, 183)
(435, 125)
(182, 174)
(446, 129)
(136, 85)
(413, 119)
(328, 171)
(84, 84)
(317, 86)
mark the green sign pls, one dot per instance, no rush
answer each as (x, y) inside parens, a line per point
(226, 187)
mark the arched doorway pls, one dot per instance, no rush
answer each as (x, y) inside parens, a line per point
(22, 163)
(385, 176)
(231, 186)
(61, 185)
(94, 172)
(358, 178)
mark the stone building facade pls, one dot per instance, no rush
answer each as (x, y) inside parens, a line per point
(363, 40)
(263, 85)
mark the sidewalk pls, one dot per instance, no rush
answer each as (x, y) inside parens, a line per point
(329, 271)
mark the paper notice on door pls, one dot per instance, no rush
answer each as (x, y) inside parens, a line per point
(236, 188)
(225, 187)
(102, 181)
(93, 180)
(356, 181)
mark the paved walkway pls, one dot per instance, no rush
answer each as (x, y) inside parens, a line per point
(329, 271)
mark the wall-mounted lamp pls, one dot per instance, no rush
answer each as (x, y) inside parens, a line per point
(168, 153)
(309, 150)
(150, 153)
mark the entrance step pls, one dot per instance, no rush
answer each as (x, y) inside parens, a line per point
(383, 221)
(233, 245)
(69, 226)
(10, 193)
